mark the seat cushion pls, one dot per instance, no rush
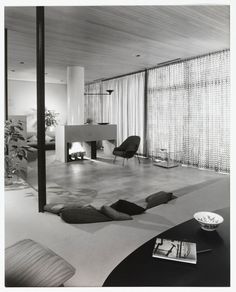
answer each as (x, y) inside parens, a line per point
(32, 154)
(158, 199)
(83, 215)
(127, 207)
(115, 215)
(29, 264)
(119, 153)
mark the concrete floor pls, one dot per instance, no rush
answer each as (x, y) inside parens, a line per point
(108, 181)
(95, 249)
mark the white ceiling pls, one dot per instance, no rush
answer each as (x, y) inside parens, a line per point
(106, 39)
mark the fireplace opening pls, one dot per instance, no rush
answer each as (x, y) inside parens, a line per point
(75, 151)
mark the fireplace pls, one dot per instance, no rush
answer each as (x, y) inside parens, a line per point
(75, 151)
(69, 136)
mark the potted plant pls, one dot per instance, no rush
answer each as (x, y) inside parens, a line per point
(14, 149)
(50, 119)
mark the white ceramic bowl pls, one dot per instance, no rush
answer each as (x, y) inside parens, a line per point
(209, 221)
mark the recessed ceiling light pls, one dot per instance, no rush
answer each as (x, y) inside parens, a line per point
(138, 55)
(22, 62)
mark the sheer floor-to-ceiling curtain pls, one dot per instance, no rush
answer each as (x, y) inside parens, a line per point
(189, 111)
(125, 106)
(208, 139)
(166, 109)
(93, 103)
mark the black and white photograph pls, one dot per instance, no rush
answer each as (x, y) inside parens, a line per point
(117, 161)
(175, 250)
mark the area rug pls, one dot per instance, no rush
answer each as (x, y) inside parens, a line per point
(56, 194)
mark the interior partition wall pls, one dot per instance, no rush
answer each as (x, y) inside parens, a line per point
(189, 111)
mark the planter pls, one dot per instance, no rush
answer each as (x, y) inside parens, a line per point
(8, 180)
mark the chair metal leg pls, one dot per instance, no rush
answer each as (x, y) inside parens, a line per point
(114, 160)
(138, 158)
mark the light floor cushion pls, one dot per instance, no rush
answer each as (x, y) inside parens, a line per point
(158, 199)
(115, 215)
(83, 215)
(56, 208)
(29, 264)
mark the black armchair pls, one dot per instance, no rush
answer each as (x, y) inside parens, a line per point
(128, 148)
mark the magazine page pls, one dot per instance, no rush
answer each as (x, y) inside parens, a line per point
(175, 250)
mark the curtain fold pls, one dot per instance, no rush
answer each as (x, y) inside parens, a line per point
(125, 107)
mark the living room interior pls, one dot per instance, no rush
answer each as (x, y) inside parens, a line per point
(144, 92)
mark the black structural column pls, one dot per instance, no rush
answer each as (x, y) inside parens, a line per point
(6, 75)
(40, 48)
(145, 113)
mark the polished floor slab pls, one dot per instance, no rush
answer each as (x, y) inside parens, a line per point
(104, 181)
(96, 249)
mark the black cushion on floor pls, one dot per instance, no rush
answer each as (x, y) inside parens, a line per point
(158, 199)
(114, 214)
(83, 215)
(127, 207)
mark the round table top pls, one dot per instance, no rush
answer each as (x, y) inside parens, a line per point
(212, 268)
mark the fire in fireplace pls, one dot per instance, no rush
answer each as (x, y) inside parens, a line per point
(76, 151)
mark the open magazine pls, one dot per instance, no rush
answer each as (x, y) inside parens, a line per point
(175, 250)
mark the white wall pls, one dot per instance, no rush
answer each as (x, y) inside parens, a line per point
(22, 100)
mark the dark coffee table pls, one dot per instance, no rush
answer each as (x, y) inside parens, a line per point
(212, 268)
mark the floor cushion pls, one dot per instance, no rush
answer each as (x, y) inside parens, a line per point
(29, 264)
(56, 208)
(115, 215)
(83, 215)
(127, 207)
(158, 199)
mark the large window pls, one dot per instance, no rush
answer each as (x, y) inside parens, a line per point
(189, 111)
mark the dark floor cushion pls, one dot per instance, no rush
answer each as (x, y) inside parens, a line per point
(158, 199)
(83, 215)
(127, 207)
(115, 215)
